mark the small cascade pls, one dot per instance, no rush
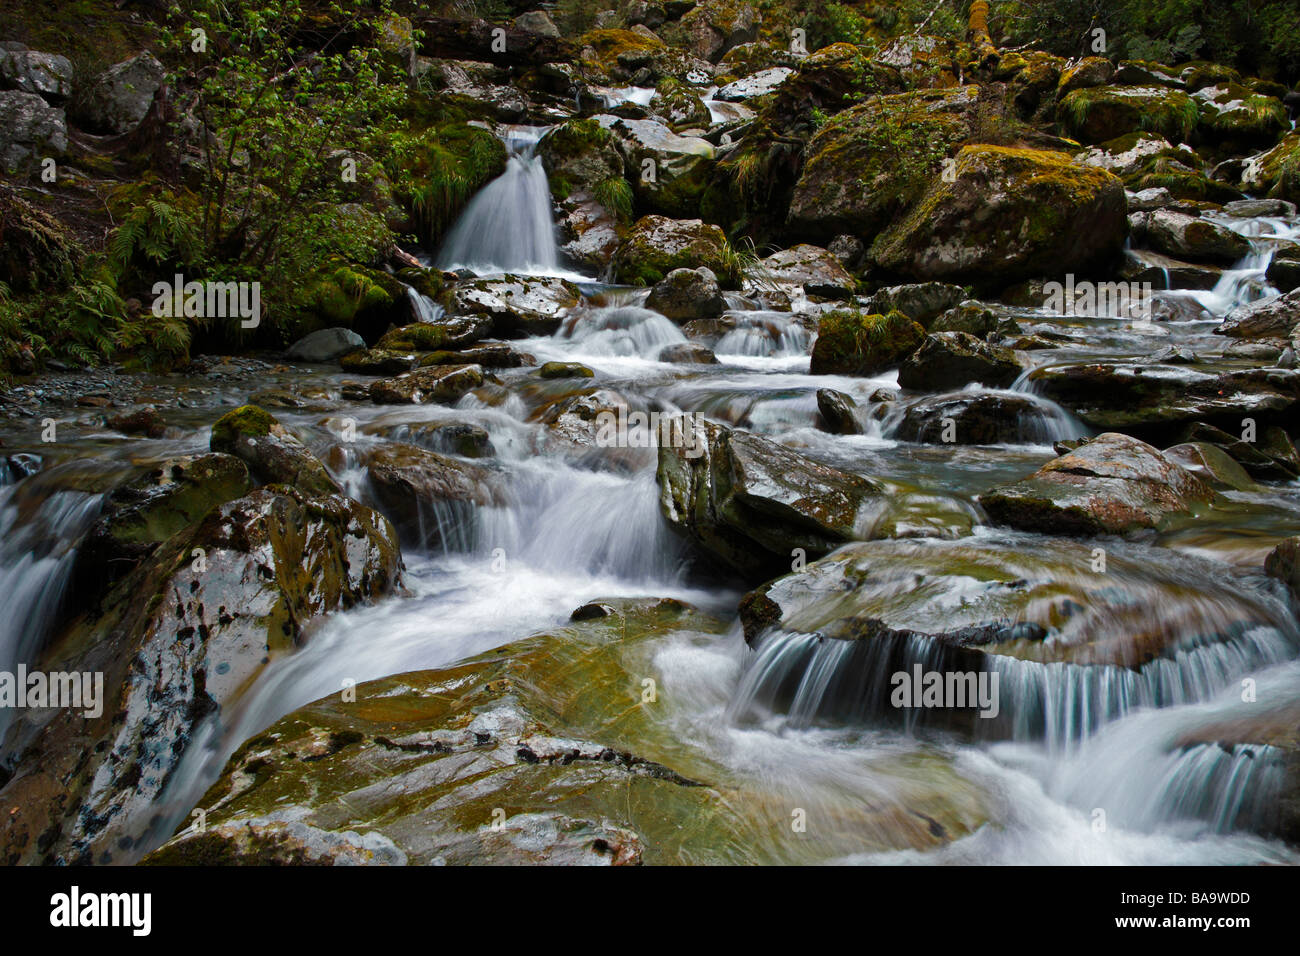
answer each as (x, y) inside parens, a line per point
(507, 226)
(619, 330)
(1247, 280)
(425, 309)
(764, 335)
(1038, 421)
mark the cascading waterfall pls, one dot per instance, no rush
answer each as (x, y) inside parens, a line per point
(763, 334)
(507, 226)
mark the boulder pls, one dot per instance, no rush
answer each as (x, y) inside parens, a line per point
(949, 360)
(1101, 113)
(517, 306)
(971, 419)
(838, 412)
(117, 100)
(921, 302)
(688, 353)
(811, 268)
(273, 454)
(1187, 237)
(1284, 270)
(686, 294)
(1114, 484)
(424, 493)
(657, 245)
(1270, 318)
(325, 345)
(48, 75)
(435, 383)
(446, 332)
(715, 26)
(177, 641)
(1232, 114)
(850, 342)
(668, 173)
(758, 83)
(378, 361)
(679, 106)
(750, 501)
(30, 131)
(1008, 215)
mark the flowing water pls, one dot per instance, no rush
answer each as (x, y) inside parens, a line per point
(575, 524)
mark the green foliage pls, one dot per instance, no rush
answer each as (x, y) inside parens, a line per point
(438, 169)
(155, 234)
(615, 194)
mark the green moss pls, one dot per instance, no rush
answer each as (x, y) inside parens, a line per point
(421, 337)
(246, 420)
(850, 343)
(1100, 113)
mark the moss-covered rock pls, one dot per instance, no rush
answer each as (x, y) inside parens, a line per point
(448, 332)
(347, 295)
(656, 246)
(1008, 215)
(1234, 116)
(1275, 173)
(37, 253)
(679, 105)
(271, 451)
(1101, 113)
(579, 154)
(852, 343)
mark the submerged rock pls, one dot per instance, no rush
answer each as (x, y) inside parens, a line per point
(752, 502)
(1114, 484)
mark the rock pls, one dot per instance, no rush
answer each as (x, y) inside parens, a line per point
(429, 497)
(756, 84)
(1232, 114)
(1188, 237)
(1284, 270)
(436, 383)
(1114, 484)
(686, 294)
(447, 332)
(1269, 456)
(970, 316)
(852, 343)
(347, 295)
(30, 130)
(1126, 155)
(147, 421)
(1111, 395)
(679, 105)
(687, 353)
(117, 100)
(517, 306)
(1263, 318)
(1090, 71)
(1283, 563)
(668, 172)
(657, 245)
(537, 21)
(1275, 173)
(750, 501)
(817, 271)
(1212, 465)
(1102, 113)
(177, 644)
(48, 75)
(716, 26)
(921, 302)
(325, 345)
(949, 360)
(580, 154)
(272, 453)
(1074, 648)
(488, 355)
(839, 412)
(1254, 208)
(1010, 214)
(141, 514)
(849, 250)
(852, 181)
(1145, 73)
(565, 370)
(972, 419)
(378, 362)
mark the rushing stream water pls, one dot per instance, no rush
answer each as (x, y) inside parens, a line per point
(573, 527)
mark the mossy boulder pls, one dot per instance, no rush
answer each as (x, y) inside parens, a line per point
(947, 361)
(347, 295)
(1006, 216)
(273, 454)
(1235, 116)
(448, 332)
(850, 342)
(872, 160)
(678, 105)
(1275, 173)
(178, 640)
(656, 245)
(579, 154)
(713, 27)
(1100, 113)
(1088, 72)
(1188, 237)
(668, 173)
(37, 253)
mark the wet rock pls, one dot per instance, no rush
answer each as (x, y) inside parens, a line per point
(1114, 484)
(446, 437)
(852, 343)
(1233, 115)
(411, 482)
(1010, 214)
(1127, 155)
(688, 353)
(970, 316)
(378, 361)
(1283, 563)
(48, 75)
(325, 345)
(30, 130)
(1110, 395)
(1102, 113)
(1263, 318)
(687, 294)
(178, 640)
(117, 100)
(839, 412)
(756, 84)
(1187, 237)
(679, 106)
(565, 370)
(716, 26)
(657, 245)
(750, 501)
(517, 306)
(436, 383)
(448, 332)
(488, 355)
(668, 172)
(817, 271)
(1284, 270)
(1090, 71)
(537, 21)
(1269, 455)
(971, 419)
(146, 421)
(271, 451)
(922, 302)
(949, 360)
(1212, 465)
